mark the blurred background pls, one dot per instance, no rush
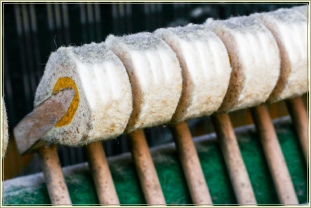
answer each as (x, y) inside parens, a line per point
(32, 31)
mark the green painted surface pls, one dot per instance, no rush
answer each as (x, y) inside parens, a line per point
(171, 176)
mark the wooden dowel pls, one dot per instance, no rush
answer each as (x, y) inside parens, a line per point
(233, 158)
(54, 177)
(105, 188)
(274, 156)
(299, 117)
(145, 168)
(191, 164)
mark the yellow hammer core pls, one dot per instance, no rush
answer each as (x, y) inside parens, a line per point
(67, 83)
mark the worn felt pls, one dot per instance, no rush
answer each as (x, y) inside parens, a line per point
(254, 57)
(5, 134)
(155, 76)
(103, 101)
(205, 64)
(170, 172)
(302, 9)
(148, 79)
(289, 28)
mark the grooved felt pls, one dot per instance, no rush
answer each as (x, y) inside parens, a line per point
(177, 74)
(155, 76)
(205, 69)
(255, 61)
(289, 28)
(5, 134)
(105, 98)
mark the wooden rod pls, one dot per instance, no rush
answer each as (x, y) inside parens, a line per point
(54, 177)
(145, 168)
(233, 158)
(274, 155)
(105, 188)
(191, 164)
(299, 117)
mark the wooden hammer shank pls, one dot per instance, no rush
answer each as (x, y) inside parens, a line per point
(32, 128)
(36, 124)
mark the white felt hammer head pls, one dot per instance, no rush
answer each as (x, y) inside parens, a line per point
(302, 9)
(289, 28)
(255, 61)
(5, 134)
(103, 99)
(155, 76)
(205, 66)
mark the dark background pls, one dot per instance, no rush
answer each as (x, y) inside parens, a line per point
(32, 31)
